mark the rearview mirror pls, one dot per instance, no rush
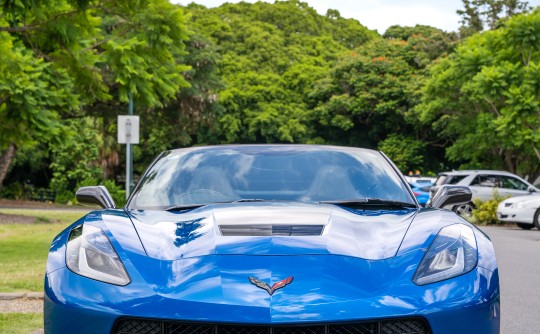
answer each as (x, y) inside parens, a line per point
(95, 195)
(450, 195)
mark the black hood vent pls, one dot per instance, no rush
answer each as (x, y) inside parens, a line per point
(271, 230)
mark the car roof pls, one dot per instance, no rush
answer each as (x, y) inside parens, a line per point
(475, 172)
(273, 146)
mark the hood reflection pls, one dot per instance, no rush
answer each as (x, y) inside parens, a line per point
(172, 235)
(187, 231)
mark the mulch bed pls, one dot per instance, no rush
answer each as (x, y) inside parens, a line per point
(17, 219)
(21, 306)
(11, 203)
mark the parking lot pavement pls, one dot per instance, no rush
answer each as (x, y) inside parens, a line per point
(518, 255)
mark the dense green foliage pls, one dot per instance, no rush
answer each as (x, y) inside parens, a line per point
(367, 97)
(76, 59)
(484, 98)
(257, 73)
(272, 55)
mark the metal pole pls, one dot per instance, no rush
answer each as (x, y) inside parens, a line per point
(128, 169)
(129, 156)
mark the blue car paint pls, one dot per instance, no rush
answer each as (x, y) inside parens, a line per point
(208, 281)
(419, 190)
(345, 233)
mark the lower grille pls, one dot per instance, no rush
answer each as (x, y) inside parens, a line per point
(401, 326)
(139, 327)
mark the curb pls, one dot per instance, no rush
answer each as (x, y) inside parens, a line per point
(21, 295)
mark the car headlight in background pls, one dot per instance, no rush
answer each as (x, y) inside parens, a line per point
(452, 253)
(519, 205)
(90, 253)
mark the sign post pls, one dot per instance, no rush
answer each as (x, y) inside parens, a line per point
(128, 133)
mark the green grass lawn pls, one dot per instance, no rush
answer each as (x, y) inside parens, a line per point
(20, 323)
(24, 247)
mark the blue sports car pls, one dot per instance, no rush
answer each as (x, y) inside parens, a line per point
(272, 239)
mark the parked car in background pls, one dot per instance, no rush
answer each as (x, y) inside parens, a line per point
(421, 191)
(484, 184)
(524, 211)
(420, 180)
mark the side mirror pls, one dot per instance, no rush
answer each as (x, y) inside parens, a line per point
(450, 195)
(95, 195)
(532, 190)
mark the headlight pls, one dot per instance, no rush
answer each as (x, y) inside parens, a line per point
(90, 253)
(519, 205)
(452, 253)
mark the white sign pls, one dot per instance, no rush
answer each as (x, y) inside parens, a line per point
(128, 129)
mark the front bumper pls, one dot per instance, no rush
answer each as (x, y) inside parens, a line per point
(513, 215)
(465, 304)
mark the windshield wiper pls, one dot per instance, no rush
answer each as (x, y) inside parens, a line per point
(247, 200)
(186, 206)
(198, 205)
(373, 202)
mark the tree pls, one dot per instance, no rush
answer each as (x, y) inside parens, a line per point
(479, 15)
(31, 93)
(429, 43)
(406, 152)
(272, 55)
(368, 97)
(483, 99)
(142, 51)
(72, 58)
(369, 92)
(191, 117)
(74, 163)
(365, 96)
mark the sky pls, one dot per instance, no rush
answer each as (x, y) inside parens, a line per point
(380, 14)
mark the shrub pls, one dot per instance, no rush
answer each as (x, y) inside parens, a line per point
(485, 212)
(117, 193)
(13, 191)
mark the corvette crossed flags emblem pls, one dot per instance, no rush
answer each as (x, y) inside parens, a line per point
(265, 286)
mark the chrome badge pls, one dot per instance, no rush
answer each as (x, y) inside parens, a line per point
(263, 285)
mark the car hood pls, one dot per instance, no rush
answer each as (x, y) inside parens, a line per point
(532, 199)
(272, 229)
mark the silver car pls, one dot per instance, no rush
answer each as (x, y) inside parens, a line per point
(484, 184)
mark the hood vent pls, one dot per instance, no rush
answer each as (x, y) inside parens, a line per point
(270, 230)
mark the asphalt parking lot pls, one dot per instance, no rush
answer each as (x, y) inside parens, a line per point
(518, 255)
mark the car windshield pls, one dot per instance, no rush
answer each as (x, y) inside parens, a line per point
(448, 179)
(267, 173)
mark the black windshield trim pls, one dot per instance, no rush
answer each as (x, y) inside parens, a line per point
(199, 205)
(366, 202)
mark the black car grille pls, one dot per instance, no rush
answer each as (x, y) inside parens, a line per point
(401, 326)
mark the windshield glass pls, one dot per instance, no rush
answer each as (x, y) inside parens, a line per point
(270, 173)
(449, 179)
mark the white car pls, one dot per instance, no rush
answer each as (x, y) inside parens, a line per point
(427, 181)
(483, 184)
(522, 210)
